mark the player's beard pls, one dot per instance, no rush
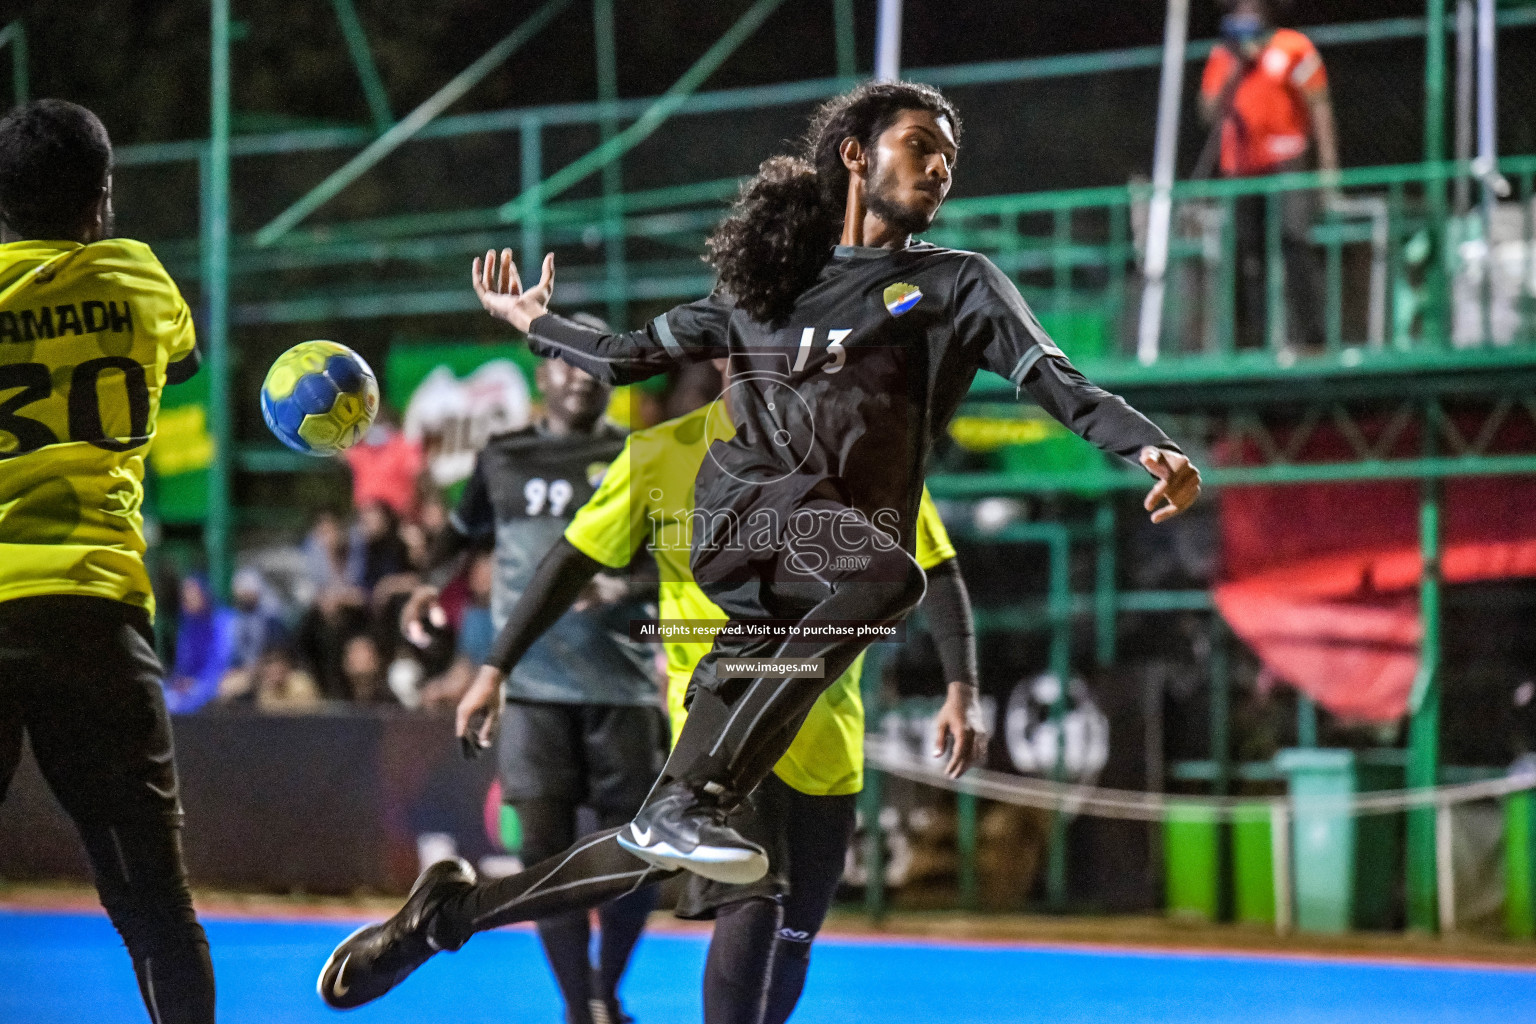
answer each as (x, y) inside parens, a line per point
(880, 199)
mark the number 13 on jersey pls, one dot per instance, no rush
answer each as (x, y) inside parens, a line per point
(834, 349)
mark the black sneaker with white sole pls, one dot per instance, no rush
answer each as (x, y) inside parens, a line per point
(606, 1011)
(377, 957)
(683, 829)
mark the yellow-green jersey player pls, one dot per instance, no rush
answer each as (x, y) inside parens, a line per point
(804, 813)
(646, 499)
(91, 330)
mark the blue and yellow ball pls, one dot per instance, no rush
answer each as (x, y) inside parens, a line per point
(319, 398)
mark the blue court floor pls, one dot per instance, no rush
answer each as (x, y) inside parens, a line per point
(60, 968)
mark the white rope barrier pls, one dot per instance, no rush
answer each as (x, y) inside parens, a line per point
(895, 759)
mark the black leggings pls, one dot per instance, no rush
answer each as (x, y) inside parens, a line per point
(737, 729)
(80, 679)
(142, 882)
(761, 948)
(548, 827)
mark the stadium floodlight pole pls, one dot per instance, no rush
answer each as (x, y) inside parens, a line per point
(217, 533)
(1166, 150)
(15, 35)
(410, 125)
(367, 69)
(888, 41)
(646, 124)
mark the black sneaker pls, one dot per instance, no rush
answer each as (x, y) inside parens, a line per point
(377, 957)
(682, 829)
(605, 1009)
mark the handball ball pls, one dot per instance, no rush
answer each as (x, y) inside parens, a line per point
(319, 398)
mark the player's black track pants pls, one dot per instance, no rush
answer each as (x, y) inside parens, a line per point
(80, 679)
(737, 729)
(760, 952)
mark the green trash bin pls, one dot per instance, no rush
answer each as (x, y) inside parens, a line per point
(1344, 868)
(1520, 865)
(1191, 869)
(1253, 865)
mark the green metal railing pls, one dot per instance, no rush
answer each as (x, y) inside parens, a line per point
(1073, 252)
(1075, 257)
(14, 35)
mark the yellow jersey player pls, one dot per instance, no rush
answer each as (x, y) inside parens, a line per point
(804, 812)
(91, 329)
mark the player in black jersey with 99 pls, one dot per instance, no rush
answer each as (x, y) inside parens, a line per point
(851, 346)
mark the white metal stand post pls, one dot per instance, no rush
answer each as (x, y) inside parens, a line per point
(1494, 185)
(888, 41)
(1280, 863)
(1486, 166)
(1165, 152)
(1445, 868)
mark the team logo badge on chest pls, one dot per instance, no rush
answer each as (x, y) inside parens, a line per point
(899, 298)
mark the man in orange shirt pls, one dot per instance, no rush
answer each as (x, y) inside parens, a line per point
(1268, 92)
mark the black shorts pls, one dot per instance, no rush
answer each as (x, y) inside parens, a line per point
(783, 821)
(79, 676)
(603, 756)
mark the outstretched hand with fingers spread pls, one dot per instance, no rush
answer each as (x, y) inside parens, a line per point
(1178, 483)
(501, 290)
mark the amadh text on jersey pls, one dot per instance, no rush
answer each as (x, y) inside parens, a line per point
(89, 317)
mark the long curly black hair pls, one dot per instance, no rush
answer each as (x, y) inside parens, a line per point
(781, 230)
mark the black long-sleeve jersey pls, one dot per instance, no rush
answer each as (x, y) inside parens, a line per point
(848, 394)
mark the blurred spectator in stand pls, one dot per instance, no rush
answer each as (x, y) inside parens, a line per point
(375, 550)
(272, 683)
(382, 565)
(325, 553)
(257, 626)
(419, 536)
(386, 466)
(1265, 93)
(364, 672)
(281, 686)
(338, 609)
(475, 634)
(204, 648)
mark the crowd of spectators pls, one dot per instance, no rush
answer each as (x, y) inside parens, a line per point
(319, 622)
